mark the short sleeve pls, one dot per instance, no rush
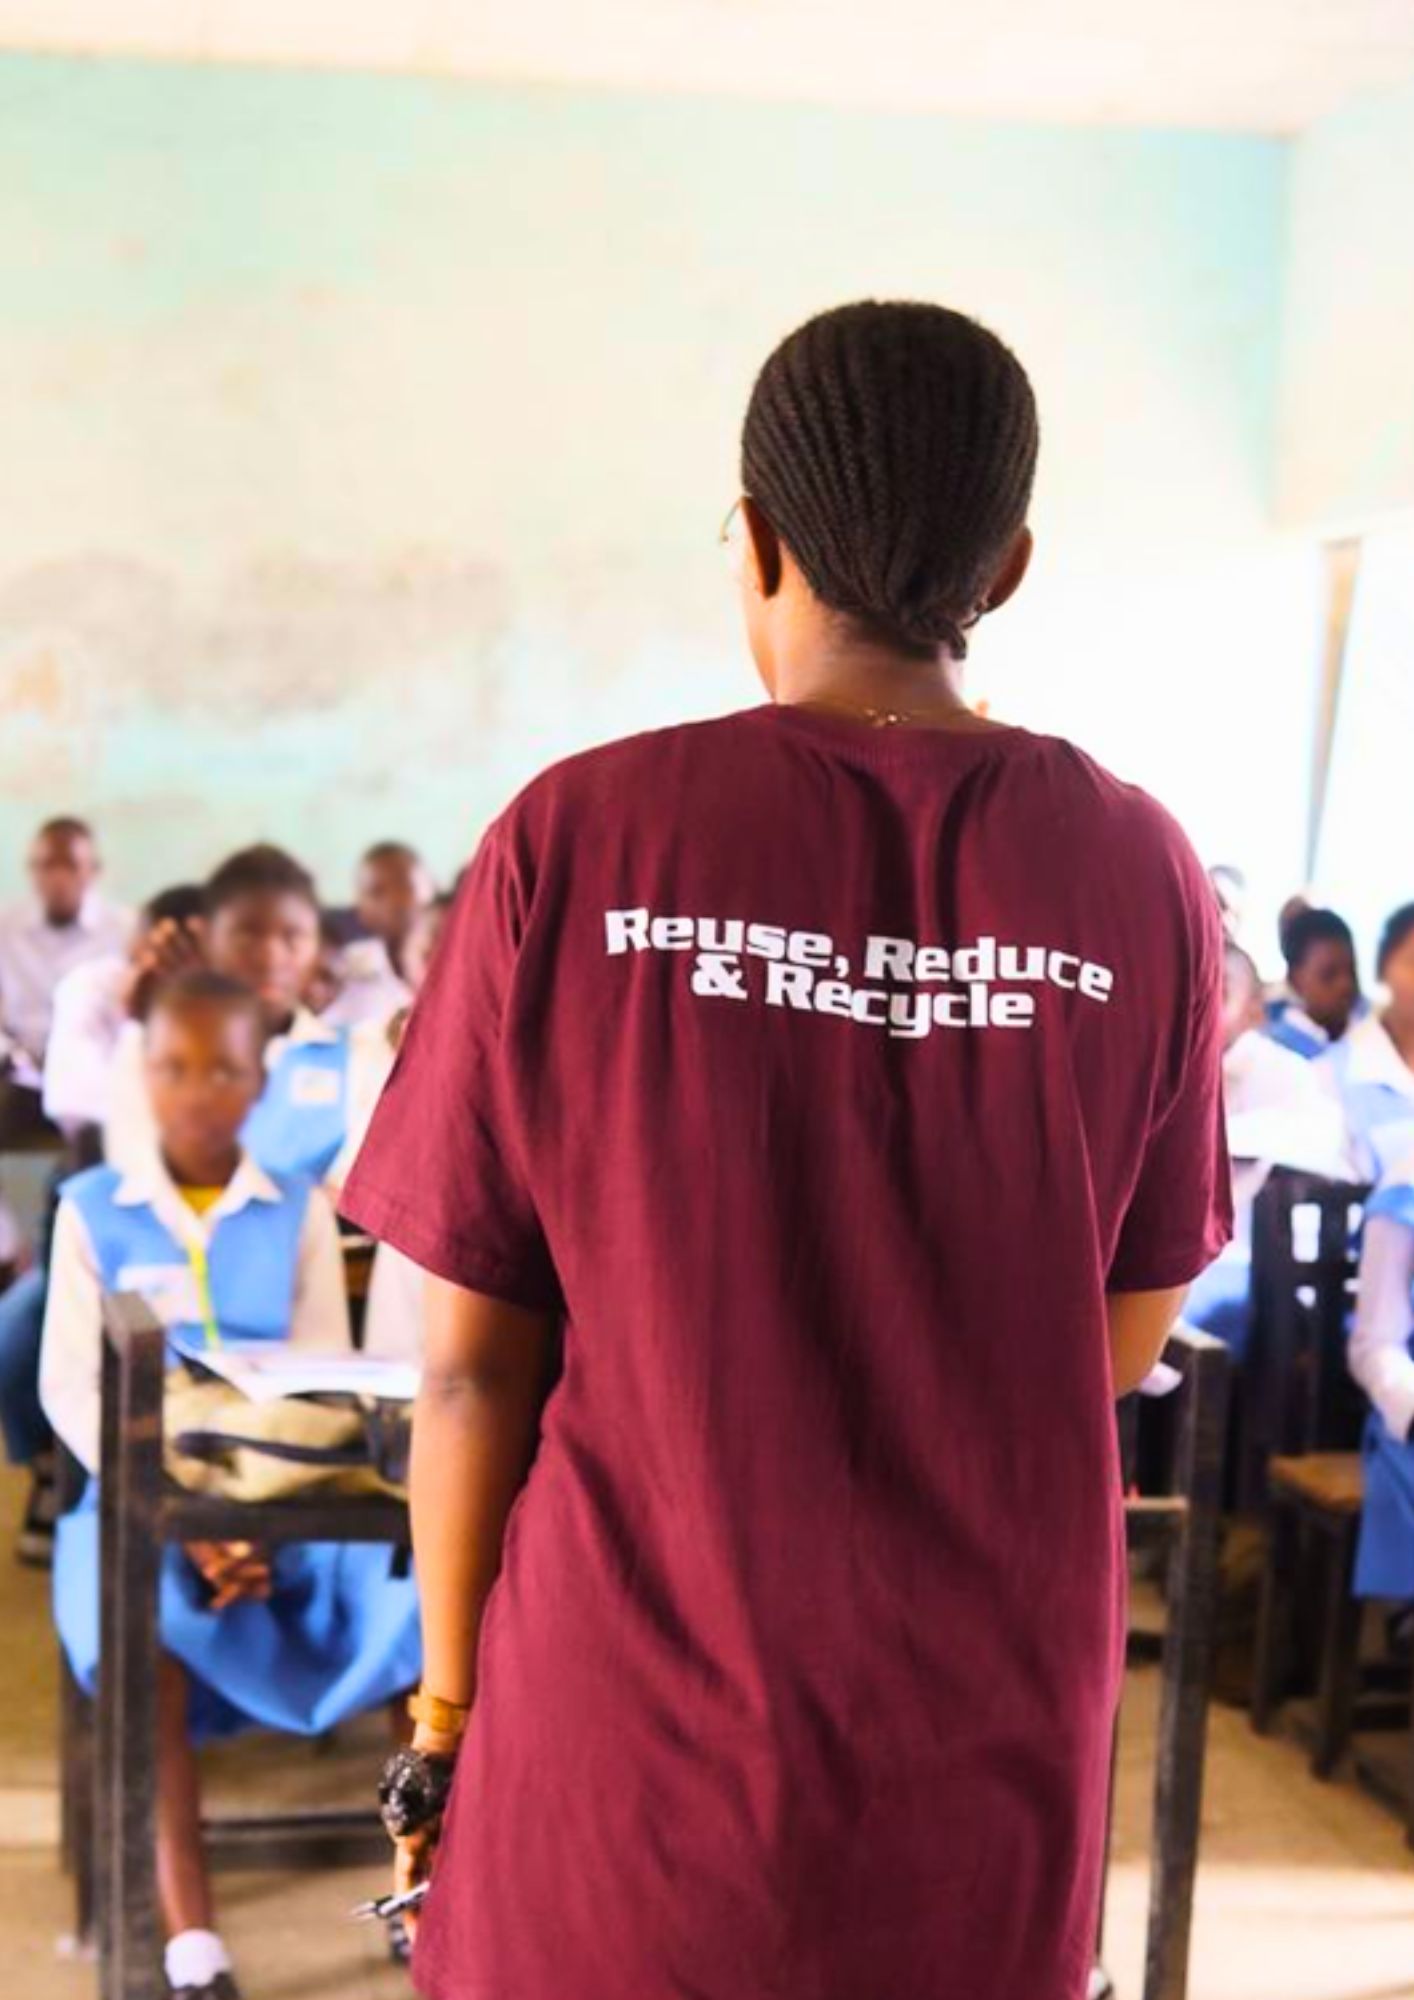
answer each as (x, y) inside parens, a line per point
(442, 1174)
(1180, 1212)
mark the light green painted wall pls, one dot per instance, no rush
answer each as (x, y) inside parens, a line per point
(363, 440)
(1347, 436)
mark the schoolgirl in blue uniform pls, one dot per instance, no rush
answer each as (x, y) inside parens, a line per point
(1370, 1071)
(261, 928)
(1323, 984)
(220, 1247)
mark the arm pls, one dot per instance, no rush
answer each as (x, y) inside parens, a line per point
(1379, 1353)
(1139, 1324)
(475, 1426)
(319, 1317)
(71, 1354)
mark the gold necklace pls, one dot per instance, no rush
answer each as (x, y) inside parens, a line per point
(877, 718)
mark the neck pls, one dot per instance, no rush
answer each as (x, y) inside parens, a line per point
(208, 1167)
(856, 677)
(1399, 1026)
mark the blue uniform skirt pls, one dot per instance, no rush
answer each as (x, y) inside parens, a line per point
(1384, 1561)
(339, 1632)
(1219, 1303)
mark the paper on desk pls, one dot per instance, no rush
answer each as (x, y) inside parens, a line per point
(265, 1370)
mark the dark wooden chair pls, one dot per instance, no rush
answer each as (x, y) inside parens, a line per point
(1181, 1518)
(1315, 1501)
(1297, 1393)
(140, 1510)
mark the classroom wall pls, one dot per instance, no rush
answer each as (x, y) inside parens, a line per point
(1347, 425)
(363, 440)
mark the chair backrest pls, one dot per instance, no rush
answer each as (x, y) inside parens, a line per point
(1305, 1265)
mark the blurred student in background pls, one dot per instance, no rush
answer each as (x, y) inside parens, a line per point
(1322, 983)
(1370, 1071)
(262, 929)
(64, 922)
(93, 1002)
(1277, 1116)
(394, 887)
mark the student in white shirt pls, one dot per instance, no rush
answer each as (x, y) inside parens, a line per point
(1322, 994)
(61, 924)
(1277, 1115)
(262, 929)
(394, 886)
(1370, 1072)
(93, 1002)
(392, 1326)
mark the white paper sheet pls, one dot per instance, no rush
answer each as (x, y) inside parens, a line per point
(266, 1370)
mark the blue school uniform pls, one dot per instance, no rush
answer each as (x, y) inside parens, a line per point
(301, 1120)
(1289, 1025)
(1384, 1560)
(339, 1632)
(1376, 1092)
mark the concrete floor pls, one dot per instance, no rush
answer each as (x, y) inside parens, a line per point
(1306, 1891)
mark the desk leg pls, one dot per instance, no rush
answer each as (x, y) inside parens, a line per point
(1187, 1672)
(129, 1931)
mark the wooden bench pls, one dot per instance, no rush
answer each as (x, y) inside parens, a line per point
(110, 1785)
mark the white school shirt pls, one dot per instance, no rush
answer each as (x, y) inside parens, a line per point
(370, 990)
(1277, 1116)
(34, 956)
(71, 1353)
(1378, 1349)
(1366, 1056)
(90, 1013)
(392, 1317)
(129, 1132)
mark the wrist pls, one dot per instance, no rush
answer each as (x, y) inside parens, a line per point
(441, 1717)
(435, 1743)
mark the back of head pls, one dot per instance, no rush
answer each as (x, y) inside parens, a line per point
(893, 449)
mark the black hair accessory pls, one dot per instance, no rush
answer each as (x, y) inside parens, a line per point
(413, 1791)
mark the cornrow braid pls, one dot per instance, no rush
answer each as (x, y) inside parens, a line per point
(893, 448)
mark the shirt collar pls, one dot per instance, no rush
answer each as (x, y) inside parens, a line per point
(149, 1185)
(307, 1029)
(1373, 1058)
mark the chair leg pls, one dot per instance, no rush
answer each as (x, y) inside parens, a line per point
(1274, 1617)
(1340, 1649)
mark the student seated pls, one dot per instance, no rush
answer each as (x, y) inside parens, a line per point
(262, 929)
(296, 1638)
(1277, 1115)
(1322, 983)
(394, 886)
(63, 923)
(1370, 1071)
(392, 1325)
(92, 1003)
(1383, 1365)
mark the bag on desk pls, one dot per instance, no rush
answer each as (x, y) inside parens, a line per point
(220, 1442)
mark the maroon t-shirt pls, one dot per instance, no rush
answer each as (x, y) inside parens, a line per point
(826, 1078)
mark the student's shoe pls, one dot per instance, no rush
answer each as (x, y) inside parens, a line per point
(1101, 1986)
(34, 1544)
(222, 1987)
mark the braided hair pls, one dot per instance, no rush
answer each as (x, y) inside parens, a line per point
(892, 446)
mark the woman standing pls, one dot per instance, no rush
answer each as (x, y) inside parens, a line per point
(844, 1075)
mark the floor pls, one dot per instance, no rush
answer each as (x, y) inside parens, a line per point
(1306, 1891)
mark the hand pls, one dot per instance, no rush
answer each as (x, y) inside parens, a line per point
(168, 949)
(415, 1853)
(234, 1570)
